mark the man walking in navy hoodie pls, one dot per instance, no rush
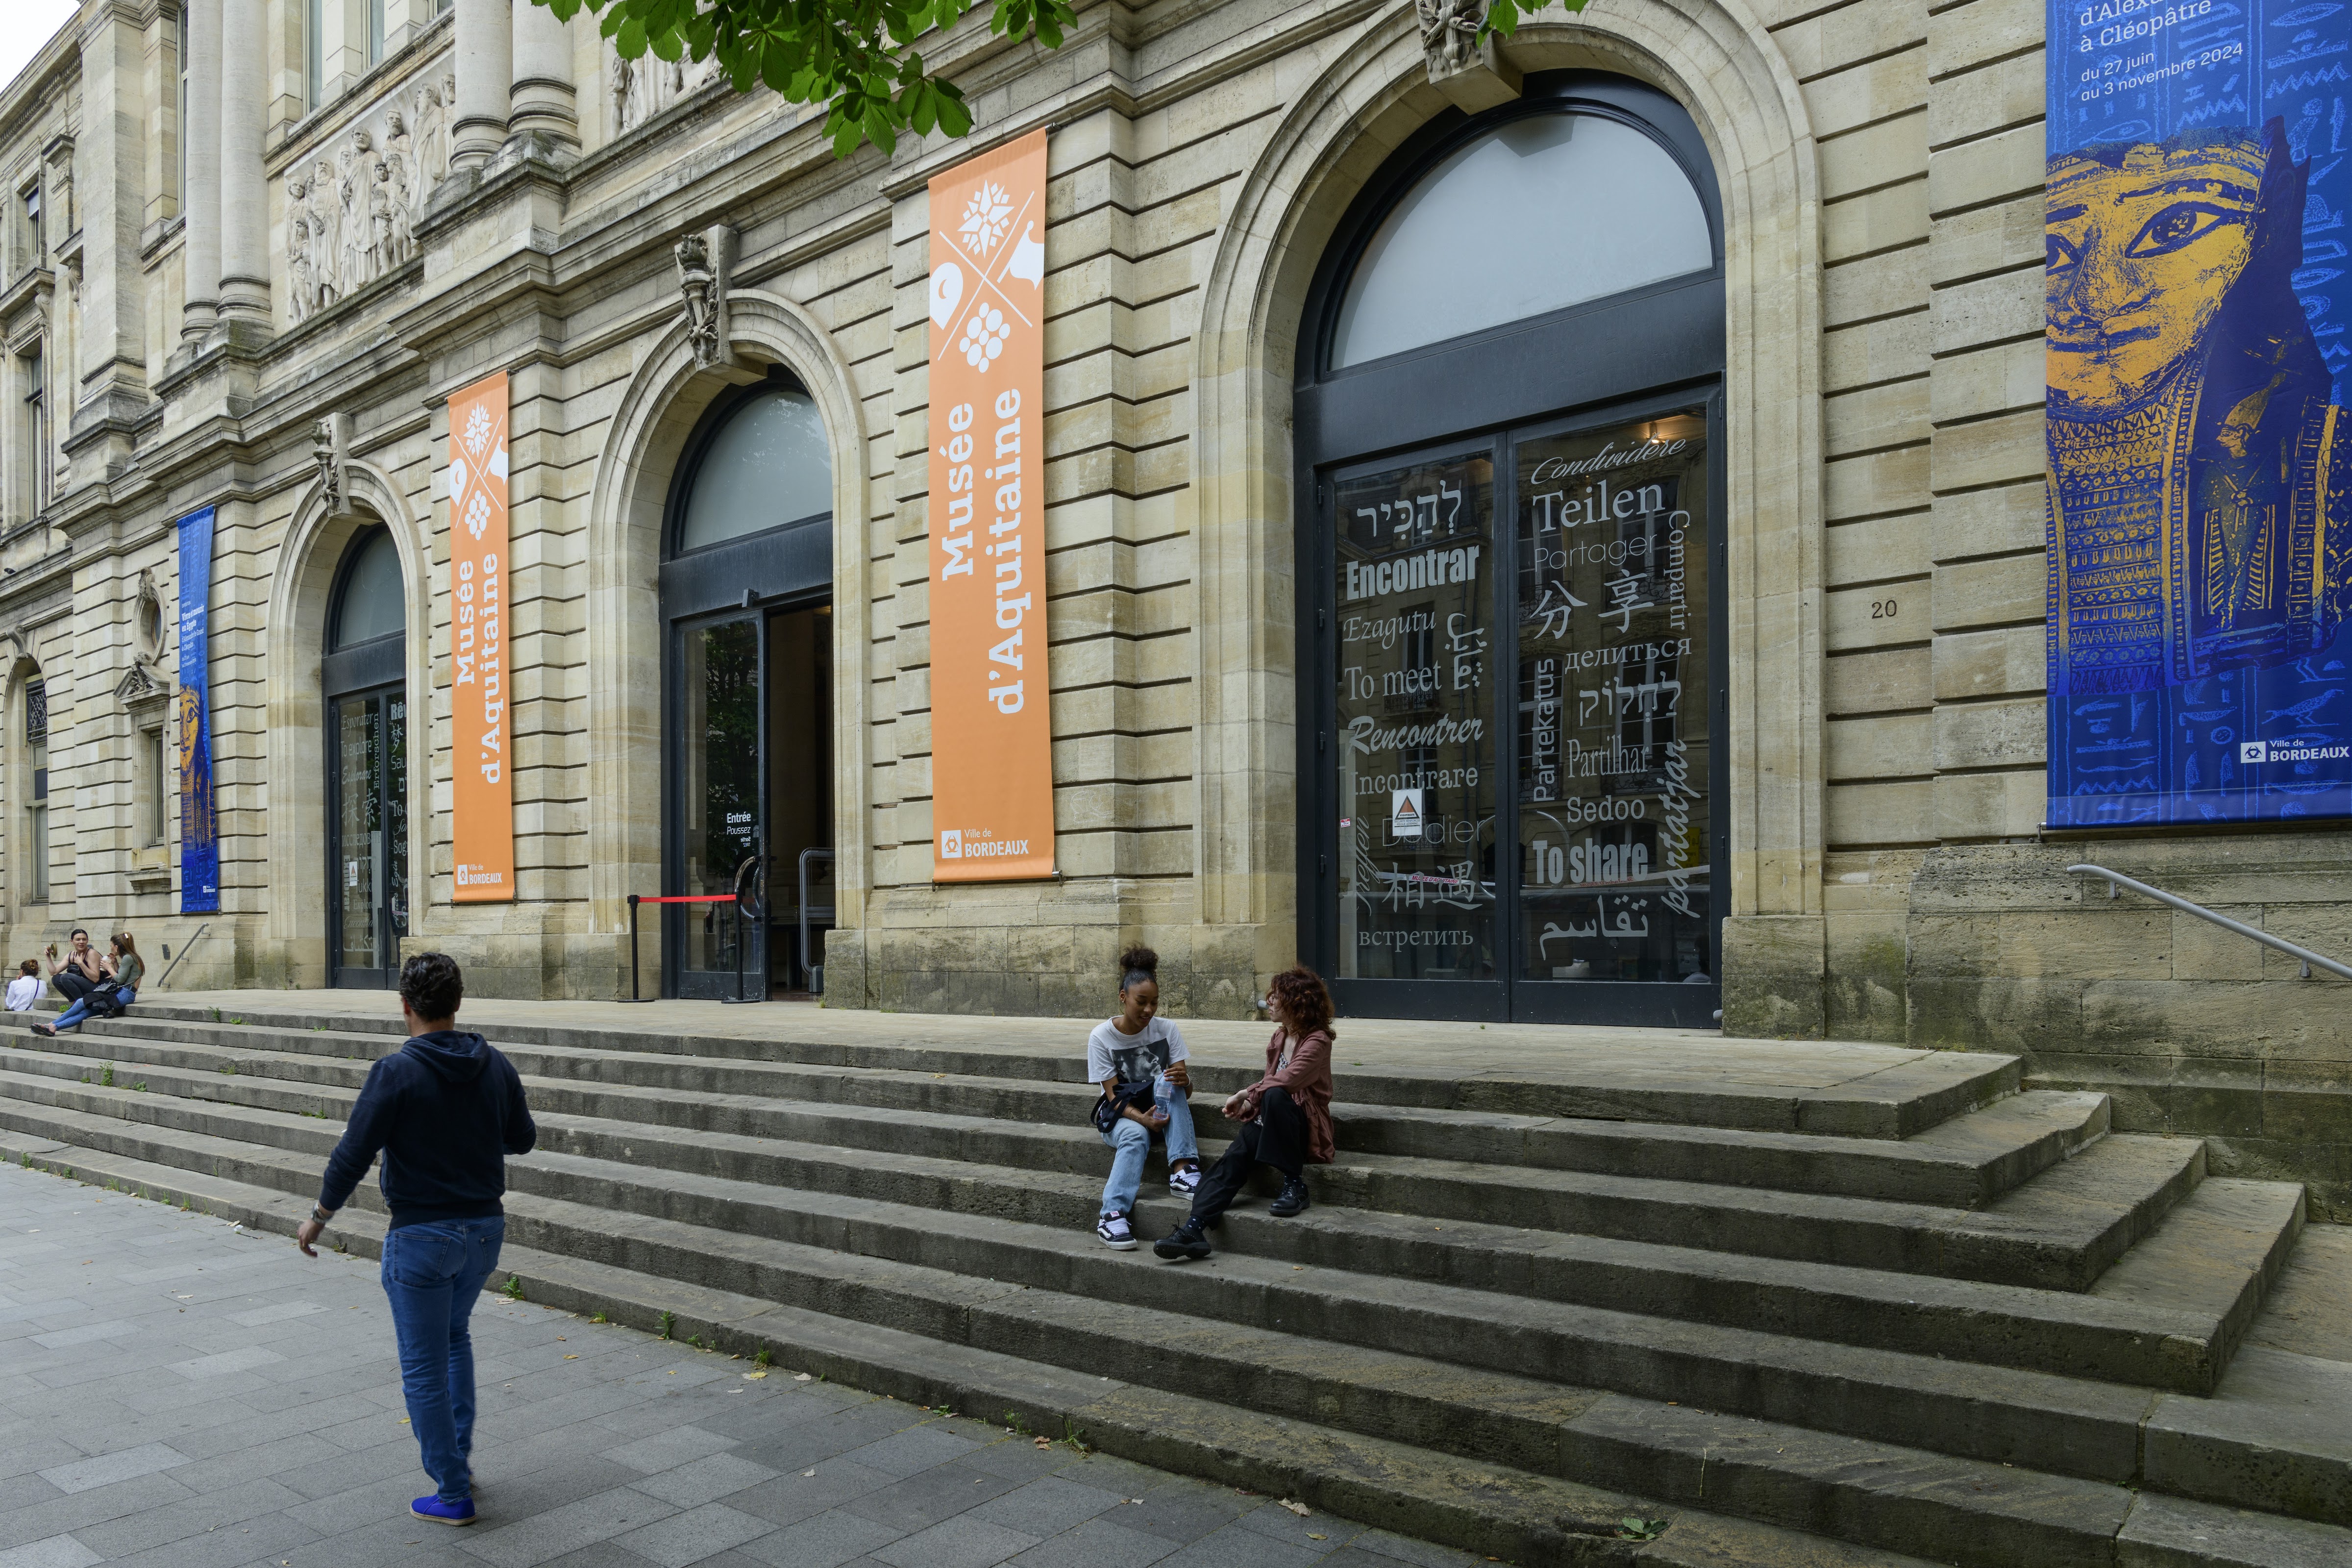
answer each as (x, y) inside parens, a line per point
(444, 1110)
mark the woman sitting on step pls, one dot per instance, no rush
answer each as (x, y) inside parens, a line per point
(117, 988)
(1139, 1058)
(1285, 1116)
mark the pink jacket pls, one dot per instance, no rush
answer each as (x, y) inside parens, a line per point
(1308, 1077)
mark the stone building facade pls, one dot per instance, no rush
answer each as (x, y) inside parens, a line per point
(232, 227)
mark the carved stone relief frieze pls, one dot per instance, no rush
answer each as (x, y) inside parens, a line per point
(352, 205)
(640, 88)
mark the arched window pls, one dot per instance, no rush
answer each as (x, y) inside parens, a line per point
(1510, 573)
(370, 601)
(765, 467)
(1538, 214)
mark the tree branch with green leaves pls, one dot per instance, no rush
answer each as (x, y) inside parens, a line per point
(858, 58)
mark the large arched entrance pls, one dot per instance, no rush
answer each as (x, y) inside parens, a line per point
(1508, 420)
(747, 602)
(364, 679)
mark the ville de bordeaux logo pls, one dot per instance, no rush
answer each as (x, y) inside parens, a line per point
(955, 845)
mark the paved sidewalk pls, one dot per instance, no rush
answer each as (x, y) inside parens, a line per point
(178, 1394)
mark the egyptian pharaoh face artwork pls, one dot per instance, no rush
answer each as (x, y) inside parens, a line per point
(2142, 253)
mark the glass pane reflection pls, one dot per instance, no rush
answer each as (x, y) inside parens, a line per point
(720, 782)
(1415, 588)
(1613, 859)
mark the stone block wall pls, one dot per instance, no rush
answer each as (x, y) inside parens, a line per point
(1882, 164)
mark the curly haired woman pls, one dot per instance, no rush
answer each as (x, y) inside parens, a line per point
(1285, 1116)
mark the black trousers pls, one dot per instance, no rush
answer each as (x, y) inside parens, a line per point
(1277, 1138)
(72, 986)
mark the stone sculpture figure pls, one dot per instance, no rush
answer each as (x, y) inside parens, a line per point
(326, 234)
(642, 89)
(380, 258)
(303, 289)
(624, 81)
(432, 139)
(698, 282)
(324, 453)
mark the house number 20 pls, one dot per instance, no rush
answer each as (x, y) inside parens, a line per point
(1882, 609)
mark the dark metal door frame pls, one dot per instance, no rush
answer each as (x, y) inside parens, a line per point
(1651, 348)
(390, 922)
(749, 577)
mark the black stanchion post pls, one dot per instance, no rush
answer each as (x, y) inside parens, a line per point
(632, 948)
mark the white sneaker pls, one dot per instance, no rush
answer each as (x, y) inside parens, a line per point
(1116, 1233)
(1185, 1183)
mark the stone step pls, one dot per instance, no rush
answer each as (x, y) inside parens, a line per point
(2076, 1436)
(2059, 1233)
(1302, 1414)
(2051, 1422)
(1907, 1094)
(1962, 1163)
(1965, 1163)
(2106, 1197)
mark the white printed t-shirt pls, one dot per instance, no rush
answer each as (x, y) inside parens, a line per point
(1112, 1052)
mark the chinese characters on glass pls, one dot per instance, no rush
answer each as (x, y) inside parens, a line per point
(1613, 855)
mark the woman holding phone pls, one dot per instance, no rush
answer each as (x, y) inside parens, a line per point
(1137, 1058)
(1285, 1117)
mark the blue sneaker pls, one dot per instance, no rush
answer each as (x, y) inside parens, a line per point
(431, 1507)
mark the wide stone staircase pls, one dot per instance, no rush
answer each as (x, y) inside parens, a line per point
(1921, 1316)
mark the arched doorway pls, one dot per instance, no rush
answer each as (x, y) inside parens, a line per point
(1508, 419)
(747, 598)
(363, 679)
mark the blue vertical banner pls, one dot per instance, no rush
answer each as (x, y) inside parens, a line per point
(199, 823)
(2197, 297)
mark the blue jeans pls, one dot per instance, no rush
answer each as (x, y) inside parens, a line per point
(1130, 1141)
(433, 1273)
(72, 1016)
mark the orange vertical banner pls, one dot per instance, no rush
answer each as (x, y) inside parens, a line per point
(481, 823)
(992, 721)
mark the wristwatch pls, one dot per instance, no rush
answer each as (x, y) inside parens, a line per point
(321, 1217)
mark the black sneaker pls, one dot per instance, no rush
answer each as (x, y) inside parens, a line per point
(1291, 1200)
(1184, 1241)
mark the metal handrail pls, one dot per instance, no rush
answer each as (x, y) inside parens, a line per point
(816, 971)
(2116, 881)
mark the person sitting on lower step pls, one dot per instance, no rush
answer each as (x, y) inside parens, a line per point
(1138, 1057)
(1285, 1116)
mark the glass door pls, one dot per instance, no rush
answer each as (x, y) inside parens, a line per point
(1520, 788)
(1614, 803)
(1414, 735)
(718, 817)
(368, 822)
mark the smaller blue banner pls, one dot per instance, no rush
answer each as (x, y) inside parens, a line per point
(199, 824)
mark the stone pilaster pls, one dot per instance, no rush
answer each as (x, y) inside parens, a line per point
(244, 196)
(110, 209)
(201, 251)
(545, 113)
(485, 82)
